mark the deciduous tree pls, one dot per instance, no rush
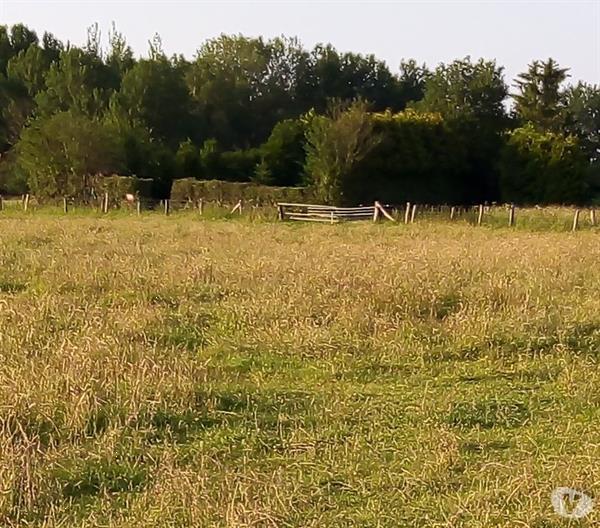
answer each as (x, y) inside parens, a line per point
(60, 154)
(335, 144)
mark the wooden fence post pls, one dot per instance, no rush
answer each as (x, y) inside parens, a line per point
(331, 217)
(65, 205)
(138, 207)
(1, 203)
(167, 207)
(201, 206)
(576, 220)
(452, 212)
(379, 209)
(105, 203)
(413, 214)
(26, 203)
(237, 207)
(592, 215)
(280, 212)
(375, 211)
(407, 213)
(511, 215)
(480, 215)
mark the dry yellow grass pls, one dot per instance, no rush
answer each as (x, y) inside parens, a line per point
(170, 372)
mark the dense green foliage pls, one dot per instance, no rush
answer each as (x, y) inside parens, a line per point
(419, 158)
(275, 113)
(336, 144)
(542, 167)
(60, 153)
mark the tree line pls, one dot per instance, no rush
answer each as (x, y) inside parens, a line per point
(273, 112)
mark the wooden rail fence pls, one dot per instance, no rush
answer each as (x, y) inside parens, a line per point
(331, 214)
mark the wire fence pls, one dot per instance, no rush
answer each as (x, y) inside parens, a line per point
(492, 215)
(107, 205)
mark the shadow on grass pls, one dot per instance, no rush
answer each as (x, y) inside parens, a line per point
(487, 414)
(7, 286)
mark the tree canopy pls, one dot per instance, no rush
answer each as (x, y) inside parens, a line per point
(275, 112)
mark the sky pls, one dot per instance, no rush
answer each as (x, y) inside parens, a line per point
(514, 32)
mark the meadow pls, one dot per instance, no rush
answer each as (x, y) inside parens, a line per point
(173, 372)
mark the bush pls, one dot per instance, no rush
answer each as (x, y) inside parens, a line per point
(418, 159)
(61, 154)
(187, 160)
(282, 155)
(335, 144)
(231, 192)
(543, 168)
(13, 180)
(594, 182)
(230, 165)
(414, 156)
(238, 165)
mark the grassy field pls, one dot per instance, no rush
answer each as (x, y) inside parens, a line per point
(170, 372)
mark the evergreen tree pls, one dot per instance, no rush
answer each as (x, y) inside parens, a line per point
(540, 98)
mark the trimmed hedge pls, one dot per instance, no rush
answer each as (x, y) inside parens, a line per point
(118, 186)
(231, 192)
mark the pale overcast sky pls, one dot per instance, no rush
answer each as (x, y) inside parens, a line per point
(513, 32)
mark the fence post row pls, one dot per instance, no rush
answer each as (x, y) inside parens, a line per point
(410, 211)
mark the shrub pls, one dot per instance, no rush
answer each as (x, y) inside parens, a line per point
(418, 159)
(542, 168)
(62, 153)
(187, 160)
(283, 155)
(12, 178)
(238, 165)
(335, 144)
(356, 157)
